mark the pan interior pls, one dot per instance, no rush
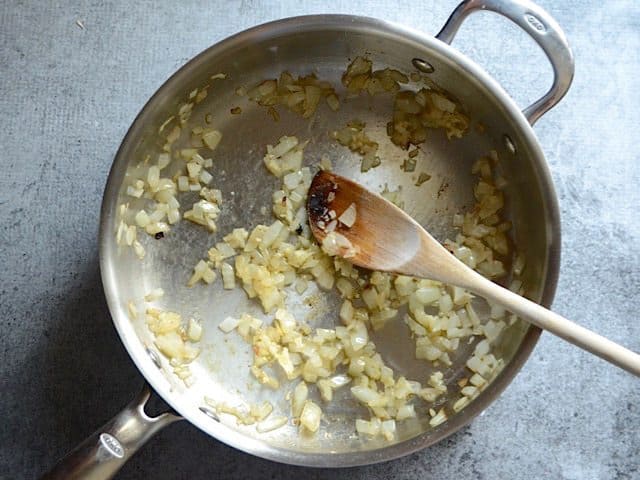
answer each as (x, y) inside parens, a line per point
(222, 369)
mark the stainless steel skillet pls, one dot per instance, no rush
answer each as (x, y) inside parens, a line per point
(320, 44)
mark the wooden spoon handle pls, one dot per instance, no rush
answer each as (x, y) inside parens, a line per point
(556, 324)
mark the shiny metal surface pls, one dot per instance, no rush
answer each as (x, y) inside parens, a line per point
(101, 455)
(321, 44)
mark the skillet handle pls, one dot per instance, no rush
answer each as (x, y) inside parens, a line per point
(101, 455)
(541, 27)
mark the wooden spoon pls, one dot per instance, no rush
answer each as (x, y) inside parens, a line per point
(385, 238)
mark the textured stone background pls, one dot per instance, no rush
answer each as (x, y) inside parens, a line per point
(67, 96)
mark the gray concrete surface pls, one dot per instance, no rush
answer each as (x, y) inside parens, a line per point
(67, 96)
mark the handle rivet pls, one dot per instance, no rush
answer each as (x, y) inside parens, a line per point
(209, 413)
(111, 443)
(511, 147)
(154, 357)
(423, 65)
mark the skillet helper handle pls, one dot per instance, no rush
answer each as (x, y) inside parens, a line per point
(101, 455)
(541, 27)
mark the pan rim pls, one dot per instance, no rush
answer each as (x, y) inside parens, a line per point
(255, 446)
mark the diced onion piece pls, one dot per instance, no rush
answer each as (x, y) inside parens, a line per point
(162, 322)
(482, 348)
(359, 336)
(301, 285)
(368, 396)
(427, 295)
(284, 360)
(132, 309)
(194, 169)
(173, 216)
(163, 160)
(194, 331)
(271, 423)
(477, 380)
(211, 138)
(518, 264)
(338, 381)
(284, 145)
(172, 346)
(405, 411)
(469, 391)
(312, 97)
(183, 183)
(208, 276)
(443, 103)
(130, 234)
(348, 217)
(325, 164)
(371, 428)
(154, 295)
(325, 389)
(153, 177)
(299, 398)
(262, 411)
(335, 243)
(439, 418)
(285, 157)
(229, 324)
(370, 297)
(310, 416)
(134, 192)
(388, 429)
(272, 233)
(174, 134)
(460, 404)
(203, 272)
(333, 102)
(205, 177)
(237, 238)
(346, 312)
(285, 320)
(138, 249)
(225, 250)
(228, 276)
